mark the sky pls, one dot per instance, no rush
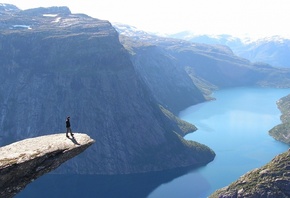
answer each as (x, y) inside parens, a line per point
(240, 18)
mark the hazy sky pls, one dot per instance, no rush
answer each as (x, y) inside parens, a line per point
(254, 18)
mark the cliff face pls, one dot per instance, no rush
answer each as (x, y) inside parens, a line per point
(271, 180)
(170, 85)
(26, 160)
(55, 64)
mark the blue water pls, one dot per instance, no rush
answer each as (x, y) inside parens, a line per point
(236, 127)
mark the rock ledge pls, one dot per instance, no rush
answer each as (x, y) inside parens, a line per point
(26, 160)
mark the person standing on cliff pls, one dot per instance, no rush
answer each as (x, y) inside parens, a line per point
(68, 129)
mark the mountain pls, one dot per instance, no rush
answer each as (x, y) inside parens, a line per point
(184, 68)
(26, 160)
(170, 84)
(271, 50)
(6, 8)
(223, 39)
(54, 64)
(271, 180)
(281, 132)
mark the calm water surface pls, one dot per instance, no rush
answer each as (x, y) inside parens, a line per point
(235, 126)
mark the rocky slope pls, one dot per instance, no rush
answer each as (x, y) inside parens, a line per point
(269, 181)
(281, 132)
(190, 71)
(26, 160)
(55, 64)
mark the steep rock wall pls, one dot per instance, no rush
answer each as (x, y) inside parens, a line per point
(58, 64)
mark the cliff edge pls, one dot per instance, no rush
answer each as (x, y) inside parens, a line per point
(22, 162)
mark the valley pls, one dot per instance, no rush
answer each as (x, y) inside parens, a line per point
(124, 88)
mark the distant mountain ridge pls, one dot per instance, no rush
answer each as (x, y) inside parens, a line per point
(214, 66)
(273, 50)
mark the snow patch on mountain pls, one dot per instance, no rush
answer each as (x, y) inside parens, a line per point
(22, 27)
(276, 39)
(128, 30)
(8, 7)
(50, 15)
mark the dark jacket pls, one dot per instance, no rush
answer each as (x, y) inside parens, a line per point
(67, 123)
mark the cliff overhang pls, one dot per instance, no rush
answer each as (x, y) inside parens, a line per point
(24, 161)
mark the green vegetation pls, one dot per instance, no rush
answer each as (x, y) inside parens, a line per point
(178, 151)
(184, 126)
(271, 179)
(200, 150)
(281, 132)
(205, 87)
(174, 148)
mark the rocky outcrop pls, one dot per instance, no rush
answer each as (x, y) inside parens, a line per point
(26, 160)
(269, 181)
(55, 64)
(281, 132)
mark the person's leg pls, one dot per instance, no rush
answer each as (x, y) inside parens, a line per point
(67, 130)
(70, 132)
